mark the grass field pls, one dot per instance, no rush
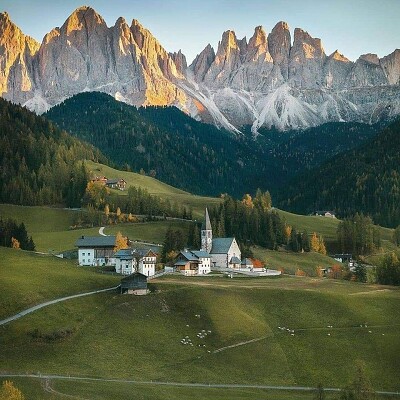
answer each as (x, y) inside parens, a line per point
(28, 279)
(156, 187)
(139, 337)
(290, 262)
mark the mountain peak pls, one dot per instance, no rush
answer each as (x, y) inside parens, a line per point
(84, 17)
(259, 37)
(338, 56)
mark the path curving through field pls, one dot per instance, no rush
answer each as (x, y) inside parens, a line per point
(48, 303)
(181, 384)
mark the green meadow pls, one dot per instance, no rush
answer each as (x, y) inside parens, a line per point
(247, 341)
(28, 279)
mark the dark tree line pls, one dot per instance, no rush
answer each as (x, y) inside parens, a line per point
(39, 163)
(9, 230)
(251, 221)
(358, 235)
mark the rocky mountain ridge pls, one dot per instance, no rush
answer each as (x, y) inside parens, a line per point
(265, 81)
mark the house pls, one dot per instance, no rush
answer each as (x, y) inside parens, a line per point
(99, 179)
(343, 258)
(116, 184)
(147, 261)
(197, 262)
(135, 283)
(224, 252)
(131, 260)
(96, 250)
(328, 214)
(187, 263)
(125, 262)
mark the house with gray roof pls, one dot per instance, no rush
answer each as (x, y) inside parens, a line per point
(131, 260)
(96, 250)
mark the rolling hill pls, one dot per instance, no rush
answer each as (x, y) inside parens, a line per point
(366, 179)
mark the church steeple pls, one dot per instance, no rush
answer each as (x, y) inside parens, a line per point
(206, 233)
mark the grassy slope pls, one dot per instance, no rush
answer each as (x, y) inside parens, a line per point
(139, 337)
(155, 187)
(28, 279)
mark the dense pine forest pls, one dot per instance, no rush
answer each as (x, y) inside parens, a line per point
(166, 143)
(365, 179)
(39, 163)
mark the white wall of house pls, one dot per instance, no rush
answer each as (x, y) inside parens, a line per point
(124, 267)
(204, 266)
(147, 266)
(86, 257)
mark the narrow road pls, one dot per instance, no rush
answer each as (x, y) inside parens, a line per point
(182, 384)
(101, 232)
(48, 303)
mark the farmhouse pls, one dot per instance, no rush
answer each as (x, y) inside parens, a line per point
(193, 262)
(135, 283)
(96, 250)
(328, 214)
(130, 260)
(147, 261)
(100, 179)
(116, 184)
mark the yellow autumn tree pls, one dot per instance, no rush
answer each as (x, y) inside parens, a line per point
(317, 244)
(322, 248)
(300, 272)
(10, 392)
(15, 245)
(121, 242)
(314, 242)
(288, 232)
(248, 201)
(107, 210)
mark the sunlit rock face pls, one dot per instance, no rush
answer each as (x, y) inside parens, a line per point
(268, 80)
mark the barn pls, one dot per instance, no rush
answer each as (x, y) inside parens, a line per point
(135, 283)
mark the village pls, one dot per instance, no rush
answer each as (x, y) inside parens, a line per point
(138, 264)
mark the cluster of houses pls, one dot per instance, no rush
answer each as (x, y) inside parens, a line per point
(222, 254)
(119, 183)
(327, 214)
(99, 251)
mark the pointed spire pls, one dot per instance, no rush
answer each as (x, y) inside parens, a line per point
(206, 223)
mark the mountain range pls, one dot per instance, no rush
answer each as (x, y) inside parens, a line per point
(270, 80)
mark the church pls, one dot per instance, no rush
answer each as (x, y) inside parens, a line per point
(218, 253)
(224, 252)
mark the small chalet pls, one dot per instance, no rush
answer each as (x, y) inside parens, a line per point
(135, 283)
(99, 179)
(96, 250)
(344, 258)
(328, 214)
(187, 263)
(116, 184)
(147, 261)
(196, 262)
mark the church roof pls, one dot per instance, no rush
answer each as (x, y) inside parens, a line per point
(221, 245)
(206, 225)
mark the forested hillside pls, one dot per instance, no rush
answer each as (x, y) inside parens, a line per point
(166, 143)
(39, 163)
(366, 179)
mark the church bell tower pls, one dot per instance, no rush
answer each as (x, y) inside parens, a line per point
(206, 233)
